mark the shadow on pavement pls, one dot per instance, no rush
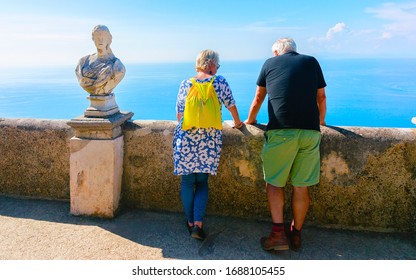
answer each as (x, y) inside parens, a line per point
(229, 238)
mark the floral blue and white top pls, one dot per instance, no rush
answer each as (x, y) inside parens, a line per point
(198, 150)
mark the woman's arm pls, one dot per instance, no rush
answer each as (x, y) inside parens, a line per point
(236, 118)
(179, 116)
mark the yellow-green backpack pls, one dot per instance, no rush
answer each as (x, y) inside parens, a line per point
(202, 108)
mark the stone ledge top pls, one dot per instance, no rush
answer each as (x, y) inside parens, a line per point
(112, 121)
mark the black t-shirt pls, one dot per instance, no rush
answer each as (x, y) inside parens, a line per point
(292, 81)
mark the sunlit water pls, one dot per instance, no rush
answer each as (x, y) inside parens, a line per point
(360, 92)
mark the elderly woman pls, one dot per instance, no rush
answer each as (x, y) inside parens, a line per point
(197, 139)
(99, 73)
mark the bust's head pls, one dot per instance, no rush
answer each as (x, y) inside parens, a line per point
(102, 37)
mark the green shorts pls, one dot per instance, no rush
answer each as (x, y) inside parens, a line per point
(294, 153)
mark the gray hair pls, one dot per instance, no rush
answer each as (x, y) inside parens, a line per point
(284, 45)
(204, 58)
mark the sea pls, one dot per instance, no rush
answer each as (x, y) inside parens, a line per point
(360, 92)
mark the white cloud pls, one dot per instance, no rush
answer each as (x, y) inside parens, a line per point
(389, 23)
(339, 27)
(386, 35)
(401, 19)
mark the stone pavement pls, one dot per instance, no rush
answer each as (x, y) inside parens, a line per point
(44, 230)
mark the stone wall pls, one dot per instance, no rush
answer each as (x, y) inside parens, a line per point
(368, 175)
(34, 158)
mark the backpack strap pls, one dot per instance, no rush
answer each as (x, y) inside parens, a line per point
(193, 81)
(203, 90)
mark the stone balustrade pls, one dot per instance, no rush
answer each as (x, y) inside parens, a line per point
(368, 175)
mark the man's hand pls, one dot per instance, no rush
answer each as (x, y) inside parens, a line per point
(250, 122)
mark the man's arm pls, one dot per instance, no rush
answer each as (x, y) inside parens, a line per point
(256, 104)
(321, 99)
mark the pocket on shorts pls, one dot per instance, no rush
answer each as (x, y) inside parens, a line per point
(275, 140)
(278, 137)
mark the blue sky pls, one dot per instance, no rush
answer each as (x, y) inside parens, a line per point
(44, 33)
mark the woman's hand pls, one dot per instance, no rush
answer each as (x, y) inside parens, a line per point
(239, 125)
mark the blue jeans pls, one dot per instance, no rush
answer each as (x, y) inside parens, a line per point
(194, 193)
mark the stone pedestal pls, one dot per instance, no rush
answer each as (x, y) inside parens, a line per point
(96, 165)
(101, 106)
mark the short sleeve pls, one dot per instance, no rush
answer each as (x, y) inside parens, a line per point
(181, 99)
(261, 80)
(320, 76)
(224, 92)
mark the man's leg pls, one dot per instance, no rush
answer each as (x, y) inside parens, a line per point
(305, 172)
(278, 154)
(276, 199)
(277, 240)
(300, 205)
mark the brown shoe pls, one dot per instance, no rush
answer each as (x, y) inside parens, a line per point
(276, 241)
(295, 239)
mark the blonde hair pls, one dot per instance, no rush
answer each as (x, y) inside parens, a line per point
(204, 58)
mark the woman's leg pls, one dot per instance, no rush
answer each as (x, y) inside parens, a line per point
(201, 198)
(187, 195)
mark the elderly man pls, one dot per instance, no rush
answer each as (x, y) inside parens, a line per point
(296, 107)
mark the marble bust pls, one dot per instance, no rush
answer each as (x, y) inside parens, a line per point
(100, 73)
